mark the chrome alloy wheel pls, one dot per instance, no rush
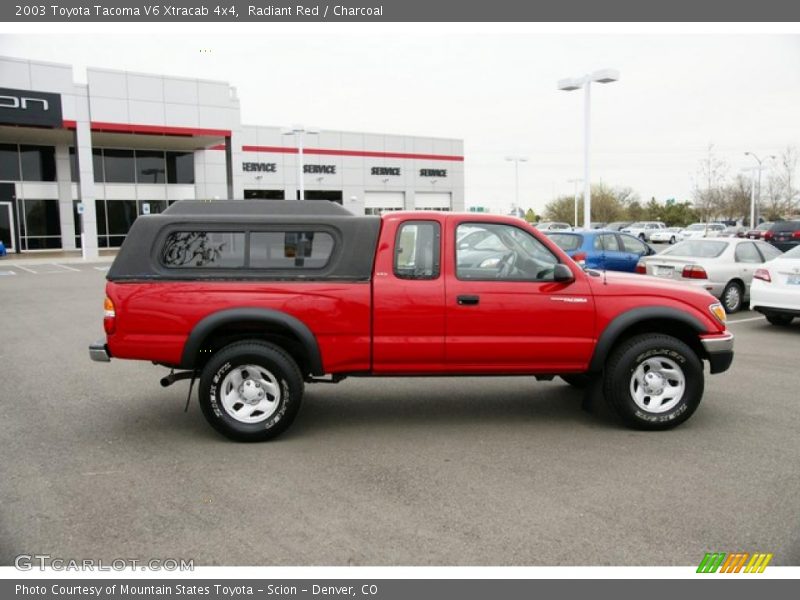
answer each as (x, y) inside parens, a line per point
(657, 384)
(733, 298)
(250, 394)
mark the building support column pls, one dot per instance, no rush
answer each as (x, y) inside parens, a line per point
(83, 156)
(65, 210)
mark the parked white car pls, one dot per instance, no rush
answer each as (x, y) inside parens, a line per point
(644, 229)
(553, 226)
(697, 231)
(670, 235)
(724, 267)
(776, 288)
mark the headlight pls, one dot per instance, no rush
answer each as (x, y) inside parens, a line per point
(719, 312)
(489, 263)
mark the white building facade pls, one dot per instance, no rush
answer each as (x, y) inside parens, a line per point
(95, 156)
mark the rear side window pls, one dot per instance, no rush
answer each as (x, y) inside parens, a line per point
(416, 250)
(289, 250)
(747, 253)
(203, 249)
(566, 241)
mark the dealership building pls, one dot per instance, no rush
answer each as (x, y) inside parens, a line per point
(79, 162)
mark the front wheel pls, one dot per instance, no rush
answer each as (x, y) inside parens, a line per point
(672, 240)
(653, 382)
(251, 391)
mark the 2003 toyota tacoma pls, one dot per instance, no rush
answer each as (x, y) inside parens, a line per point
(257, 298)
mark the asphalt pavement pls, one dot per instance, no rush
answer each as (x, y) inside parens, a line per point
(100, 461)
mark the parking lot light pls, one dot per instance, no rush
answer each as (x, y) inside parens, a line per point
(755, 202)
(300, 132)
(516, 160)
(575, 83)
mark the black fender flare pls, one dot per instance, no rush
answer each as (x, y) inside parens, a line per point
(264, 316)
(627, 319)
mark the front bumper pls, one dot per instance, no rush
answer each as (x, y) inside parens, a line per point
(720, 351)
(99, 352)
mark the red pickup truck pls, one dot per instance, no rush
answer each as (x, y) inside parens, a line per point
(257, 298)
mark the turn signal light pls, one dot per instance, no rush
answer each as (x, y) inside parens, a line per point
(109, 316)
(763, 275)
(641, 268)
(719, 312)
(694, 272)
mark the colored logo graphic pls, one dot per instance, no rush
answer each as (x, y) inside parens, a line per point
(736, 562)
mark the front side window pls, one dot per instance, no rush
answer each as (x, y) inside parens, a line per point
(633, 245)
(416, 250)
(290, 249)
(507, 253)
(203, 249)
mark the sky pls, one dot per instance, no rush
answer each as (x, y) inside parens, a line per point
(497, 91)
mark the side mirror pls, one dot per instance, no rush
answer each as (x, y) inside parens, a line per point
(562, 274)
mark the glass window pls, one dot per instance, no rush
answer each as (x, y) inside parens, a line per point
(73, 165)
(97, 165)
(38, 163)
(768, 251)
(100, 209)
(154, 206)
(180, 167)
(567, 241)
(9, 162)
(42, 218)
(748, 253)
(290, 249)
(610, 243)
(119, 166)
(121, 215)
(633, 245)
(206, 249)
(508, 253)
(150, 166)
(416, 250)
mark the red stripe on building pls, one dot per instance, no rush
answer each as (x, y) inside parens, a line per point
(151, 129)
(359, 153)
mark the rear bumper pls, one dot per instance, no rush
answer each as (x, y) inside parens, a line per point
(99, 352)
(720, 351)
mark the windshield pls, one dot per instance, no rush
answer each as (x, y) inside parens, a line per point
(636, 226)
(698, 249)
(696, 227)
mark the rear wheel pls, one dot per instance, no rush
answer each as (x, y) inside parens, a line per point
(732, 297)
(251, 391)
(780, 320)
(672, 239)
(653, 382)
(641, 237)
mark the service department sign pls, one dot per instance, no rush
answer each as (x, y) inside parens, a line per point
(26, 107)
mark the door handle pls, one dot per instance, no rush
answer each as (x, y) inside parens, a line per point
(468, 300)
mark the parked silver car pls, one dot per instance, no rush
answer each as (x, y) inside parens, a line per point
(724, 267)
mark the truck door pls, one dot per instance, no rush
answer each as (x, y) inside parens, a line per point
(408, 298)
(504, 312)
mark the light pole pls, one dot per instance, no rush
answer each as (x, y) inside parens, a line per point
(516, 160)
(299, 132)
(754, 202)
(575, 196)
(585, 82)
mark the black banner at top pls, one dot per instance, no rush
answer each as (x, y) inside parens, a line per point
(183, 11)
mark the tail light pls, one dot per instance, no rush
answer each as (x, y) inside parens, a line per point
(109, 316)
(763, 275)
(694, 272)
(768, 235)
(580, 258)
(796, 235)
(641, 268)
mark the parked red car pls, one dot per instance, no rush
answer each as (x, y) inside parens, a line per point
(759, 231)
(255, 298)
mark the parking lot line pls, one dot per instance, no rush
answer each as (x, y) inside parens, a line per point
(102, 268)
(26, 269)
(746, 320)
(66, 267)
(5, 273)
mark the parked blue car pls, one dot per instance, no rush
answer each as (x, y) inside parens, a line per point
(600, 249)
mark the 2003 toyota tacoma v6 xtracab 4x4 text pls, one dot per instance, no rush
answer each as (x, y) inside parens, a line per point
(258, 297)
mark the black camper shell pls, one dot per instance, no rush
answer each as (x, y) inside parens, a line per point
(154, 241)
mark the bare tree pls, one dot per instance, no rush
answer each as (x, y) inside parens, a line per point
(787, 179)
(709, 184)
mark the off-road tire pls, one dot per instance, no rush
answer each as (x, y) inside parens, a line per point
(619, 371)
(251, 352)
